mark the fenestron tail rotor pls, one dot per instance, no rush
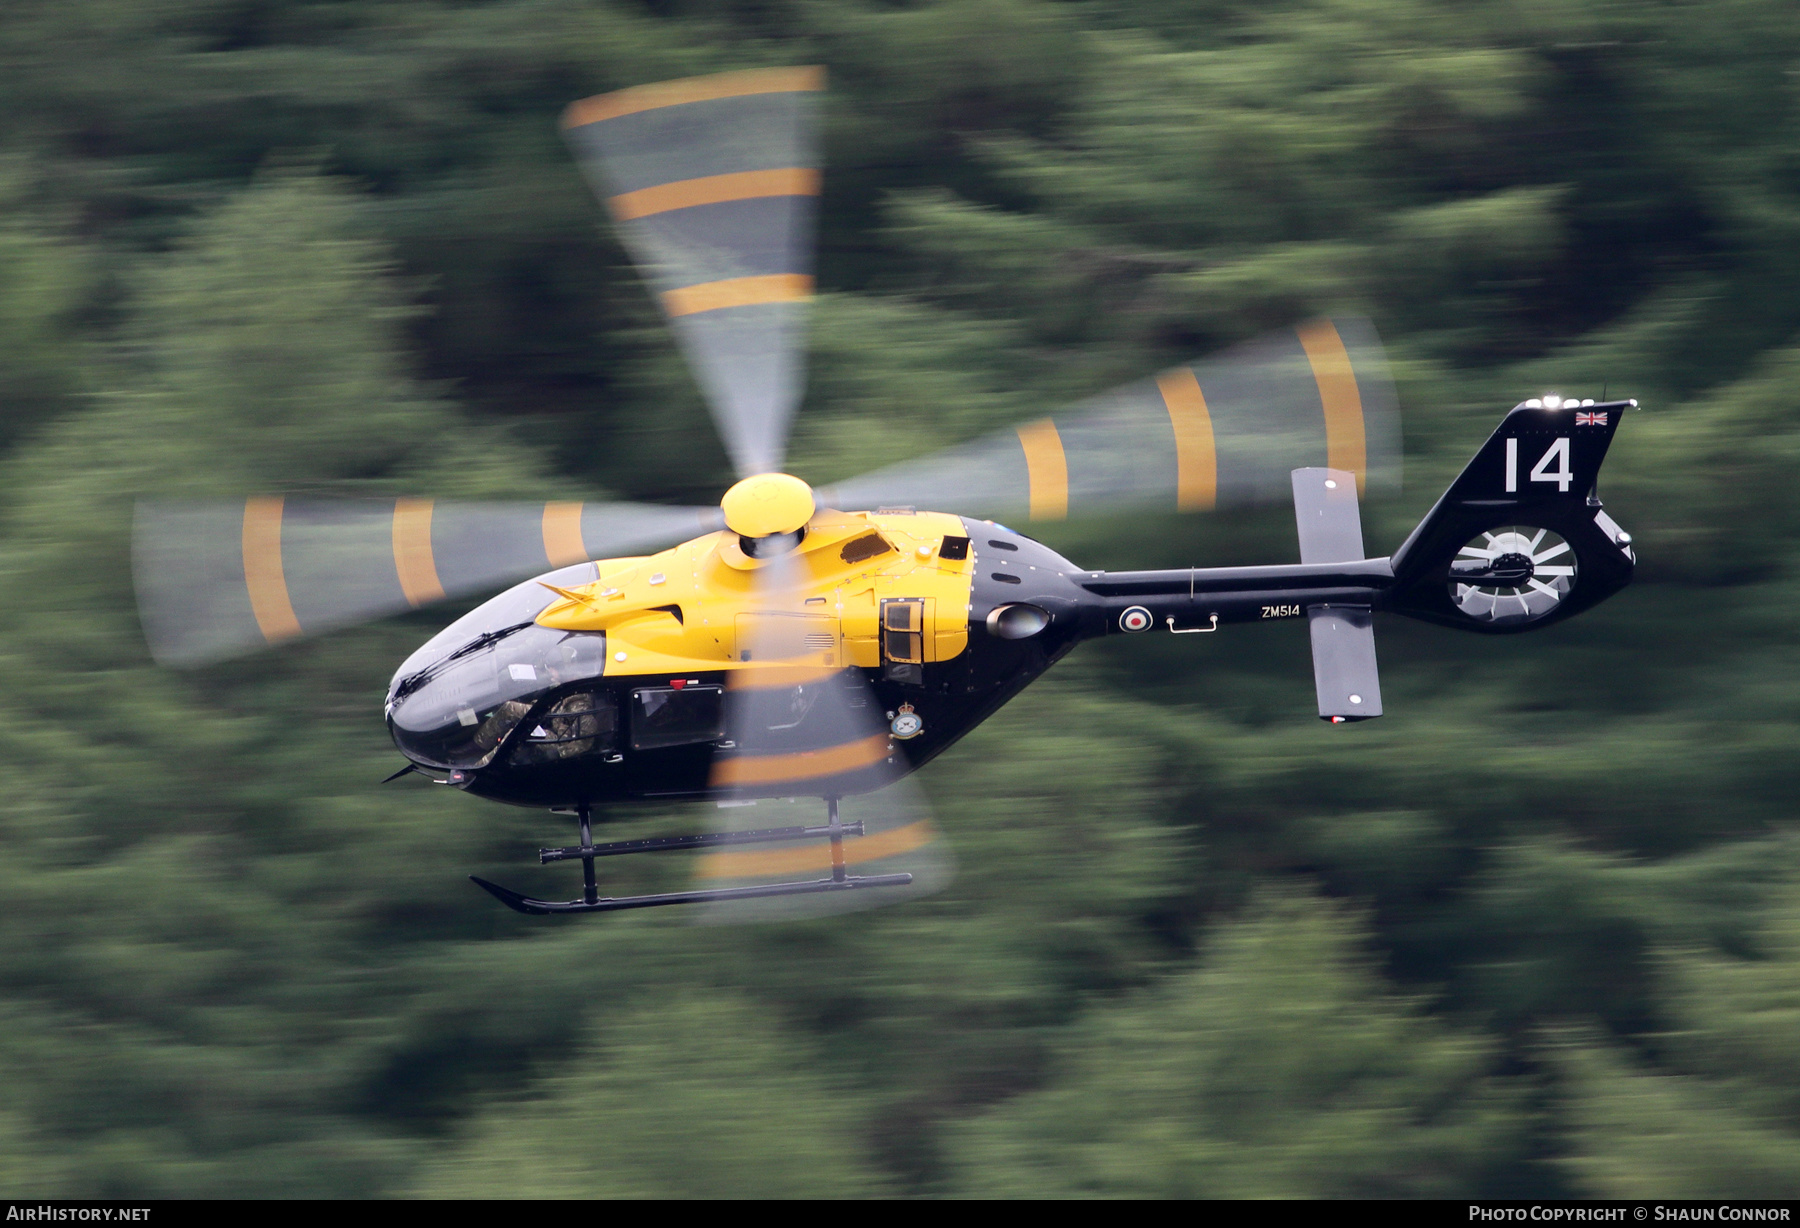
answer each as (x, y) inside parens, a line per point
(808, 743)
(1511, 575)
(218, 579)
(712, 183)
(1224, 432)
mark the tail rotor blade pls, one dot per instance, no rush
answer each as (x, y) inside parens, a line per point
(1224, 432)
(712, 183)
(216, 580)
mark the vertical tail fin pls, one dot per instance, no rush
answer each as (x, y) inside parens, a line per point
(1520, 539)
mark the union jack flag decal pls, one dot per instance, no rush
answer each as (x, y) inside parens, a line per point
(1590, 419)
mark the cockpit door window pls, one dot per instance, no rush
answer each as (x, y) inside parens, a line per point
(672, 716)
(581, 723)
(458, 710)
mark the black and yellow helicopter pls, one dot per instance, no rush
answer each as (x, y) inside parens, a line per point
(786, 649)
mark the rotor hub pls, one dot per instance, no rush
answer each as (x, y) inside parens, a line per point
(767, 504)
(1512, 569)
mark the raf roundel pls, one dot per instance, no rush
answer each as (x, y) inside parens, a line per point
(1137, 618)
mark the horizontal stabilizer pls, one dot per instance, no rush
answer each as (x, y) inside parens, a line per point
(1343, 637)
(1343, 645)
(1326, 516)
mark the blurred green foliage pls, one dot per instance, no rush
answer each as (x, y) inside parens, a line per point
(1535, 932)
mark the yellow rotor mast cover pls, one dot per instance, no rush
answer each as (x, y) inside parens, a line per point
(767, 504)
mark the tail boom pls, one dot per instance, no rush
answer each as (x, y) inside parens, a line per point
(1519, 541)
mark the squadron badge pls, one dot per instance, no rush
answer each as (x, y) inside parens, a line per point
(907, 723)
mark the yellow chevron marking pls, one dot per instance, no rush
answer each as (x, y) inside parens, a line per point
(1196, 459)
(737, 292)
(1345, 447)
(562, 535)
(263, 574)
(692, 89)
(413, 562)
(773, 863)
(714, 190)
(1048, 470)
(798, 766)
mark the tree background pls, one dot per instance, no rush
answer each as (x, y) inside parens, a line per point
(1535, 933)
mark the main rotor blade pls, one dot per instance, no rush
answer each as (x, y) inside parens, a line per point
(216, 580)
(803, 725)
(712, 183)
(1223, 432)
(898, 837)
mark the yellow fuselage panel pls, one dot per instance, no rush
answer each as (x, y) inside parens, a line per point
(822, 607)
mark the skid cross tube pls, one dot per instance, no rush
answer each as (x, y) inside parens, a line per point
(835, 829)
(590, 891)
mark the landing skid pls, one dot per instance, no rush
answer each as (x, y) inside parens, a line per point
(525, 904)
(592, 901)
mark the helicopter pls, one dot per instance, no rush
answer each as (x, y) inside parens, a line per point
(795, 643)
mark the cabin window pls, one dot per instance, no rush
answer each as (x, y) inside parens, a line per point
(676, 716)
(863, 548)
(903, 631)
